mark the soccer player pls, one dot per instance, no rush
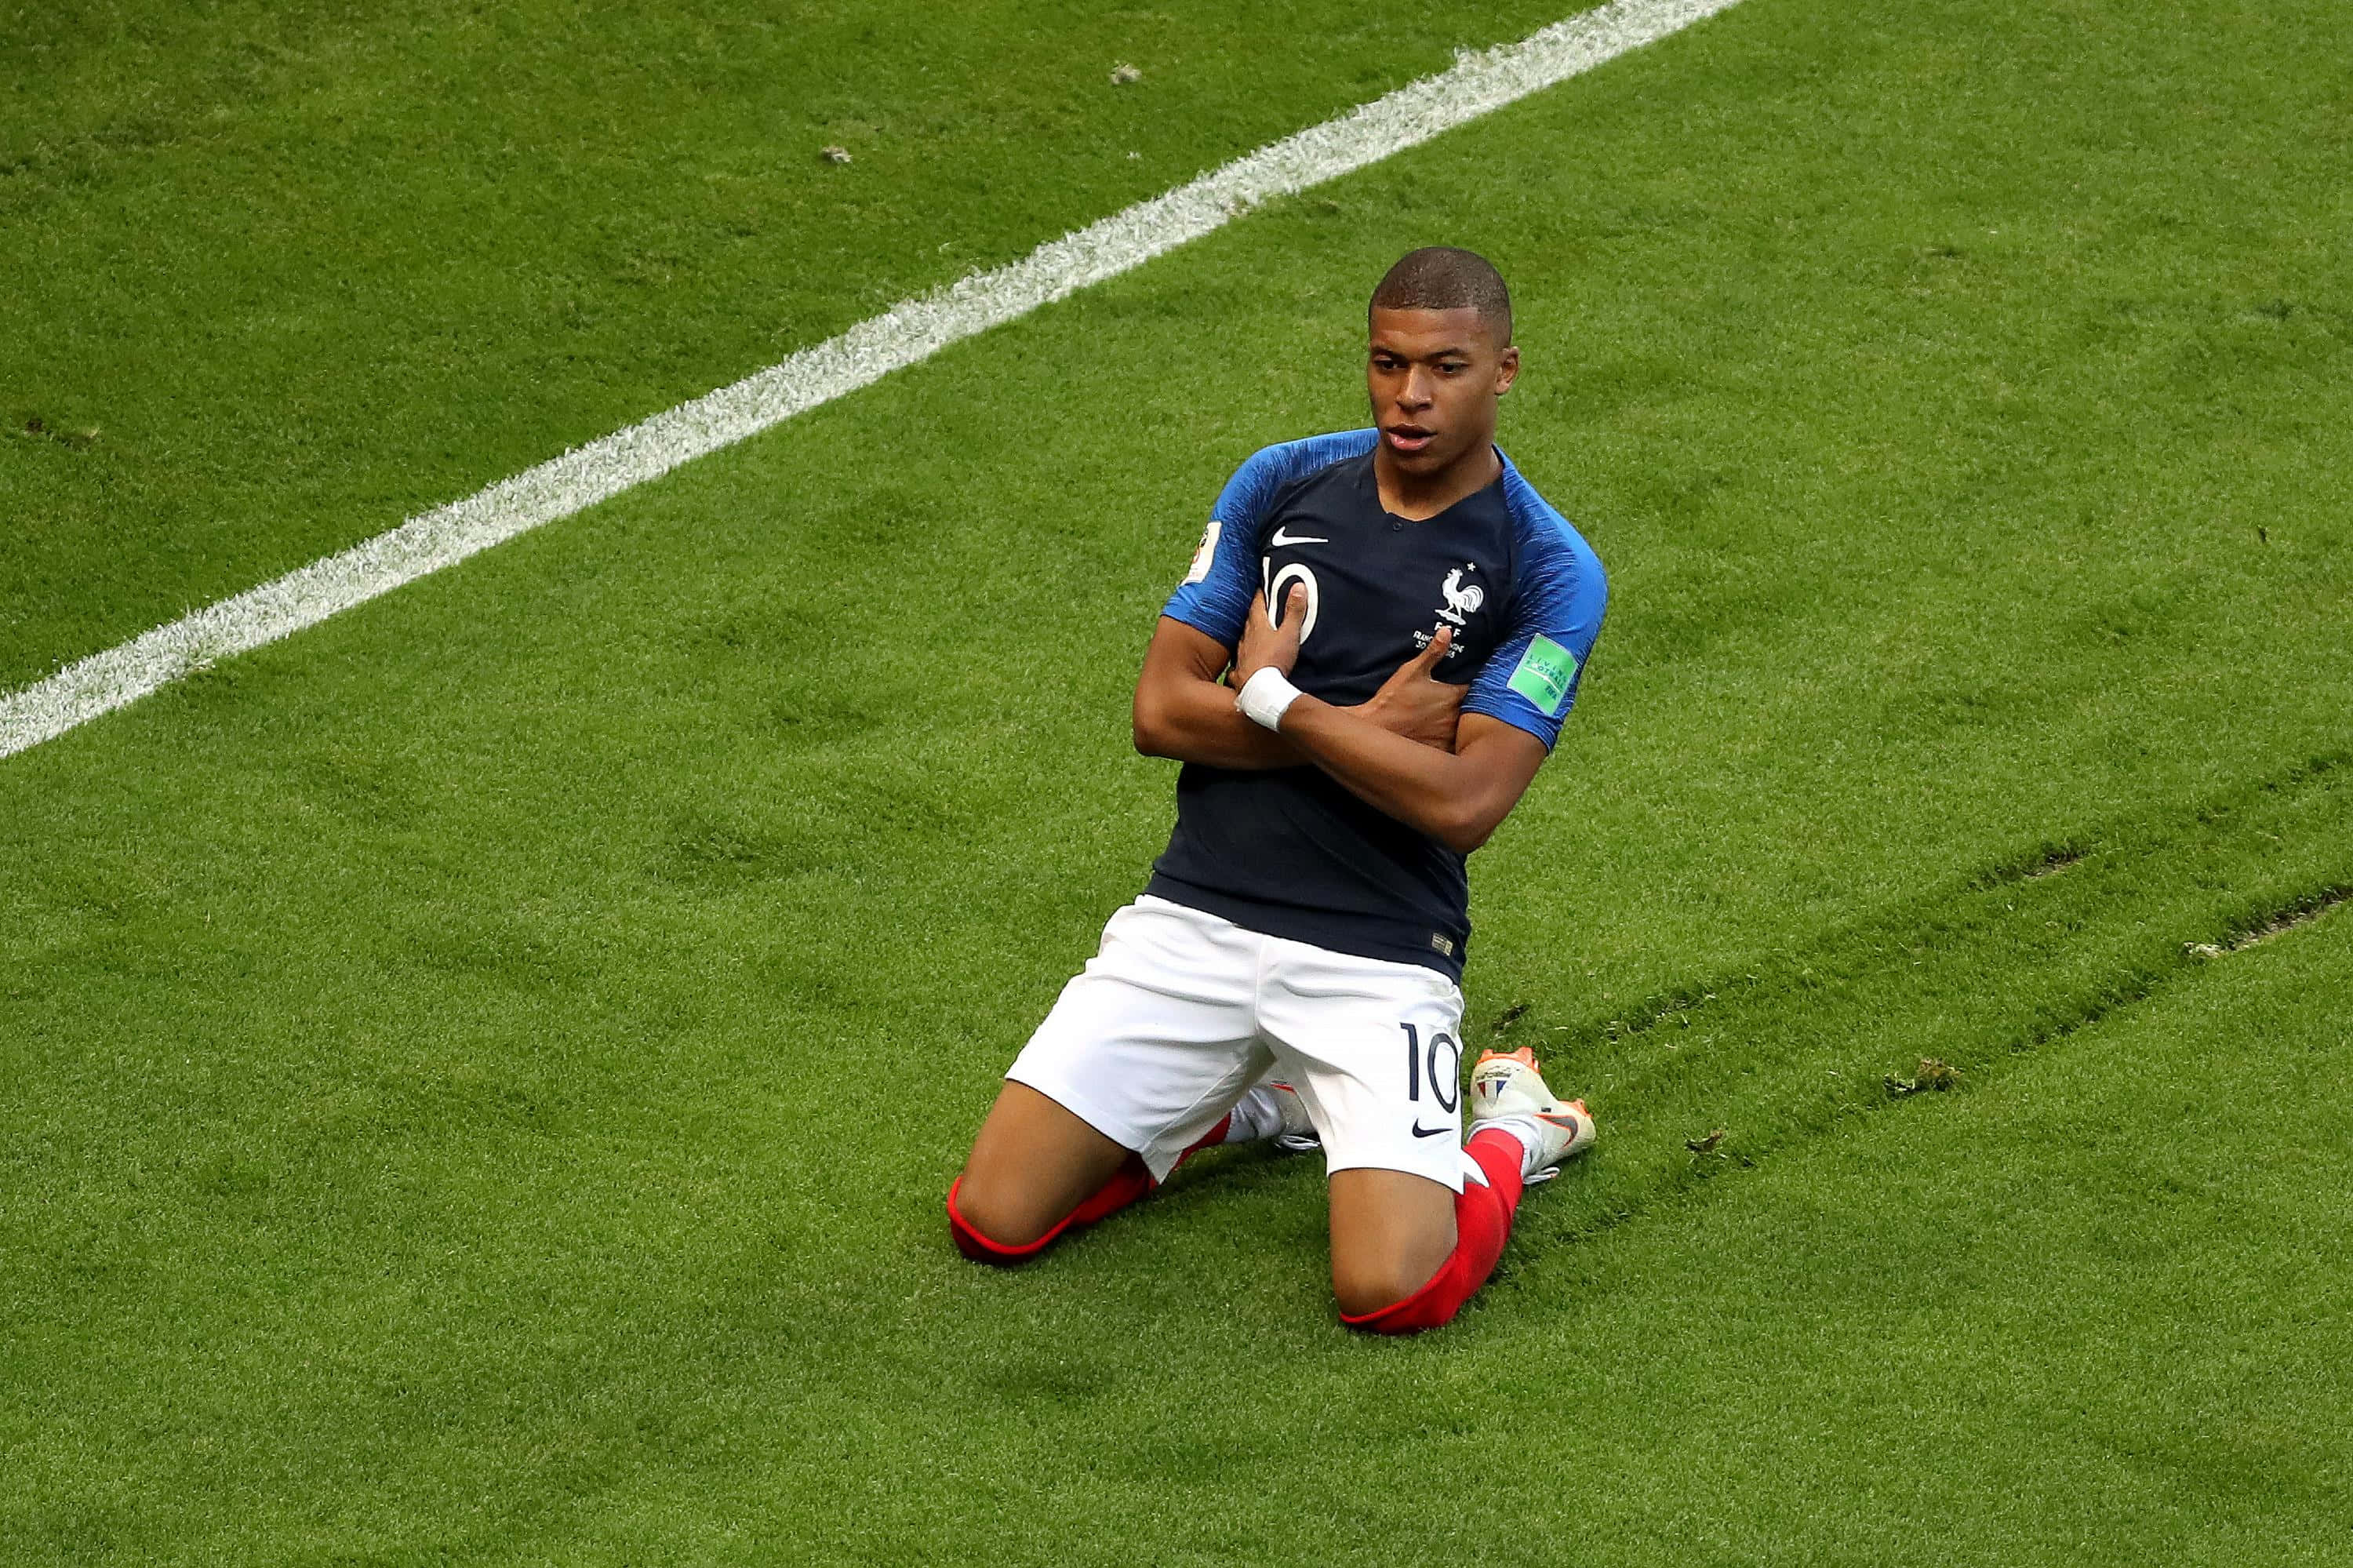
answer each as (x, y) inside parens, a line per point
(1367, 662)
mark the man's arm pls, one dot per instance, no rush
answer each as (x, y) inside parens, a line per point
(1458, 798)
(1183, 710)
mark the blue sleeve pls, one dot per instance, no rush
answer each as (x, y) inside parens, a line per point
(1215, 595)
(1559, 593)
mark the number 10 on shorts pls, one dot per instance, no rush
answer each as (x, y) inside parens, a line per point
(1445, 1081)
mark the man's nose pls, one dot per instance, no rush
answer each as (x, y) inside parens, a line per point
(1416, 392)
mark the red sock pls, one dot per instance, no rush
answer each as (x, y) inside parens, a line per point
(1128, 1183)
(1483, 1218)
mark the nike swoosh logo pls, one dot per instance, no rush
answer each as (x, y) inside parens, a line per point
(1421, 1131)
(1283, 538)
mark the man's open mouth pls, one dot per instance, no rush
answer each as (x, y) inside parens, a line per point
(1407, 438)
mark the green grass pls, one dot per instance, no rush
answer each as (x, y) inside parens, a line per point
(280, 276)
(482, 1075)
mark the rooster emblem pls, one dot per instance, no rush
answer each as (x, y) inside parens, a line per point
(1460, 600)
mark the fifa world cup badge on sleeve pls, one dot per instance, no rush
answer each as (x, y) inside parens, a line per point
(1546, 673)
(1205, 554)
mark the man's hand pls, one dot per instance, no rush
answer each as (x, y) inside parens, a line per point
(1266, 645)
(1414, 702)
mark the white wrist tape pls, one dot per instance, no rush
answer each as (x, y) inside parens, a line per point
(1265, 695)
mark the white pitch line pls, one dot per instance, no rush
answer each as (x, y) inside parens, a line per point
(910, 332)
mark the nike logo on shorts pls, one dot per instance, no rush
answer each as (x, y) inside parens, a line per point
(1421, 1131)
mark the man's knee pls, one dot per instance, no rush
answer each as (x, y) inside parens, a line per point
(1365, 1287)
(1031, 1165)
(993, 1225)
(1392, 1234)
(1432, 1306)
(1002, 1210)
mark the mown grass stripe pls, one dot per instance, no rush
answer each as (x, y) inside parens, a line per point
(910, 332)
(1805, 1044)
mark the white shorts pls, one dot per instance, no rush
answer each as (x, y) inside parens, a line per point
(1180, 1012)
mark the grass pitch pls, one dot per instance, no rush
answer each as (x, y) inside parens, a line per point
(481, 1074)
(282, 275)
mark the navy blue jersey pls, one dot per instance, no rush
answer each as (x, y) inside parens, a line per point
(1289, 852)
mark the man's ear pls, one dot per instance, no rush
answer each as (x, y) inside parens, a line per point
(1507, 370)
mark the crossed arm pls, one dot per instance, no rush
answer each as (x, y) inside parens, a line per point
(1410, 751)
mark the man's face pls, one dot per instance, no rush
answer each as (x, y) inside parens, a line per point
(1434, 376)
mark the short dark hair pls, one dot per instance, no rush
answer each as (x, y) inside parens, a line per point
(1442, 278)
